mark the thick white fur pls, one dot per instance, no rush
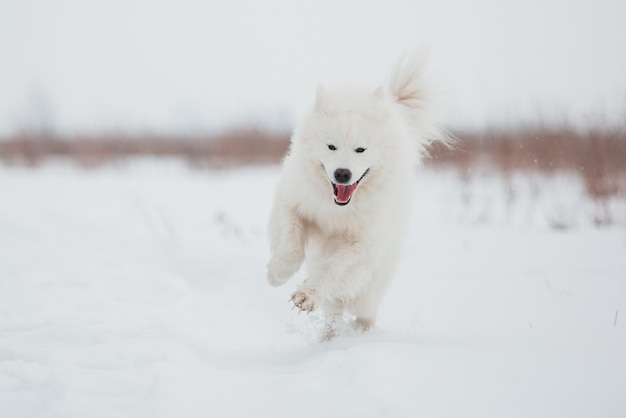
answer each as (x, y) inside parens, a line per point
(350, 251)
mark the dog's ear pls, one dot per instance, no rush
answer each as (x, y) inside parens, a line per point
(379, 93)
(321, 99)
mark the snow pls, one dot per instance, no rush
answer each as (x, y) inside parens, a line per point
(139, 290)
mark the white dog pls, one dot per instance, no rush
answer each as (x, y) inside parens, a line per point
(343, 199)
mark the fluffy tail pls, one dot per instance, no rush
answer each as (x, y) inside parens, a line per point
(412, 93)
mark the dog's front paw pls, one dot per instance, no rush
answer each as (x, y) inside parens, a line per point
(303, 299)
(280, 269)
(274, 278)
(277, 274)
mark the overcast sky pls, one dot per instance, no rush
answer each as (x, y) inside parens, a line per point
(191, 66)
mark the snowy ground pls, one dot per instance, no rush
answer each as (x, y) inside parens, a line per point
(139, 291)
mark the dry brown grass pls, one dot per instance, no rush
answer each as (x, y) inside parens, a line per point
(597, 156)
(240, 147)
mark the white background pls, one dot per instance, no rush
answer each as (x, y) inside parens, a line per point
(191, 66)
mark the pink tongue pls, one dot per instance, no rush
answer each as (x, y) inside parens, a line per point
(345, 192)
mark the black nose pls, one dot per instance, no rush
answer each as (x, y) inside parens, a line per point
(342, 175)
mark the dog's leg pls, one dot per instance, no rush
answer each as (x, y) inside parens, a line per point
(287, 236)
(346, 273)
(341, 275)
(365, 305)
(365, 308)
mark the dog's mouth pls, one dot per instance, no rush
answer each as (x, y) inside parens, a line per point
(343, 192)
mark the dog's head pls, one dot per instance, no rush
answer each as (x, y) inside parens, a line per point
(346, 135)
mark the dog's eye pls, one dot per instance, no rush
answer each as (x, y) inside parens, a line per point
(332, 147)
(359, 150)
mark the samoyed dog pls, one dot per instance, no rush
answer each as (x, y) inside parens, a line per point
(343, 198)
